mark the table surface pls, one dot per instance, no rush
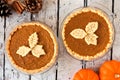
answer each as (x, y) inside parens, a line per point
(52, 14)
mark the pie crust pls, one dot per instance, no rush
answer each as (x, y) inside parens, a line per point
(110, 26)
(42, 69)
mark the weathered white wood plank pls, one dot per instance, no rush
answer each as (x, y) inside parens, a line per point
(105, 5)
(1, 47)
(47, 75)
(67, 65)
(10, 72)
(116, 46)
(95, 64)
(47, 15)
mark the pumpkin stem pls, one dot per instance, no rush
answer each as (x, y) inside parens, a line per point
(117, 75)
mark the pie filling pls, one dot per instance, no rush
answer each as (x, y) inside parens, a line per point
(20, 38)
(80, 21)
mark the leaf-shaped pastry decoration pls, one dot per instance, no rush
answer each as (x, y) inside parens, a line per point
(78, 33)
(33, 39)
(91, 39)
(38, 51)
(91, 27)
(23, 51)
(88, 34)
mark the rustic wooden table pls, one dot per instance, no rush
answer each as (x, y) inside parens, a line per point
(52, 14)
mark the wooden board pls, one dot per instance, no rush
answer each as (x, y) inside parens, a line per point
(52, 14)
(67, 65)
(1, 47)
(10, 72)
(116, 21)
(47, 15)
(106, 6)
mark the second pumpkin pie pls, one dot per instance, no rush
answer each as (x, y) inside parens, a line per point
(87, 33)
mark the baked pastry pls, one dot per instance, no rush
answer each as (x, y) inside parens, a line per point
(32, 47)
(87, 33)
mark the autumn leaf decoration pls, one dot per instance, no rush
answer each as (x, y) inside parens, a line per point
(89, 35)
(35, 49)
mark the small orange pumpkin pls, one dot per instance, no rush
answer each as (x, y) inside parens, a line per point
(85, 74)
(110, 70)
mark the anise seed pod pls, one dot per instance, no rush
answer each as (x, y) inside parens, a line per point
(5, 10)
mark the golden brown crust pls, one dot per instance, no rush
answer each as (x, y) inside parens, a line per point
(111, 30)
(35, 70)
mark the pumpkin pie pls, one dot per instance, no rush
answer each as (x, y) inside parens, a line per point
(32, 47)
(87, 33)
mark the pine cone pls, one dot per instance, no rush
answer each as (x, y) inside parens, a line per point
(4, 9)
(33, 6)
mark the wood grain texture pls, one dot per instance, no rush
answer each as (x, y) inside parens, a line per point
(116, 46)
(47, 15)
(1, 47)
(67, 65)
(10, 72)
(47, 75)
(105, 5)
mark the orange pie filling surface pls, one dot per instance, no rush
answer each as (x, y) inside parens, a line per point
(20, 38)
(80, 21)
